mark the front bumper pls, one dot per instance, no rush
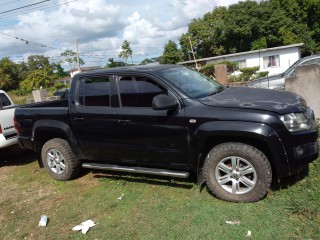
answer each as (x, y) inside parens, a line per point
(301, 147)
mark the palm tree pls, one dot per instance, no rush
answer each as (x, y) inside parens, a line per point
(126, 51)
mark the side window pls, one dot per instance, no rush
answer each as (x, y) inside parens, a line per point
(241, 64)
(312, 61)
(138, 91)
(94, 91)
(4, 100)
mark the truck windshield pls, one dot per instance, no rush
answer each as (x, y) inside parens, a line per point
(192, 83)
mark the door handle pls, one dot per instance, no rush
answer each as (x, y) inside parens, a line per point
(78, 119)
(123, 121)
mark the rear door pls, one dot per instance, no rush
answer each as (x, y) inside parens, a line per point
(93, 118)
(146, 136)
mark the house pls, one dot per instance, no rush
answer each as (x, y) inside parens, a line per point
(274, 60)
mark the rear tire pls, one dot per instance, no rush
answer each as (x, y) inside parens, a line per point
(59, 160)
(237, 172)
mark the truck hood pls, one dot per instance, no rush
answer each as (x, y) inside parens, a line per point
(280, 102)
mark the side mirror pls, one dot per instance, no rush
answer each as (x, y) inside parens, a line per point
(164, 102)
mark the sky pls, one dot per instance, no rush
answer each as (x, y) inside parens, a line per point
(49, 27)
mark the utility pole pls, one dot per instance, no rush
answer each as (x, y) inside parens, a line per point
(194, 56)
(77, 51)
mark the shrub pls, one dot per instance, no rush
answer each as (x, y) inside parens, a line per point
(208, 69)
(261, 74)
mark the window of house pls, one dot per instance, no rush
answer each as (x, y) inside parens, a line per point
(94, 91)
(138, 91)
(4, 100)
(241, 64)
(271, 61)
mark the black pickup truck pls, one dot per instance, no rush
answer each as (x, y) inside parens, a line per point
(172, 121)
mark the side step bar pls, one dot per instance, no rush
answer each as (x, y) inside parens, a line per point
(151, 171)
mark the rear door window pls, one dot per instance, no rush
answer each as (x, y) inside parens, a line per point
(94, 92)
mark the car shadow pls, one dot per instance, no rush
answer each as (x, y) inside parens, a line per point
(16, 156)
(143, 178)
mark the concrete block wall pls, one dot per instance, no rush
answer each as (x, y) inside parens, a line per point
(306, 83)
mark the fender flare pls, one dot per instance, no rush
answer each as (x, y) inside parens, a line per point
(255, 132)
(58, 127)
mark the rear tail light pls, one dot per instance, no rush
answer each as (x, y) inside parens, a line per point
(15, 125)
(0, 130)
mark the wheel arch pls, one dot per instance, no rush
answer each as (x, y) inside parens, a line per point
(45, 130)
(260, 136)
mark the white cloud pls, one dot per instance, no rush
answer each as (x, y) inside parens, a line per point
(102, 25)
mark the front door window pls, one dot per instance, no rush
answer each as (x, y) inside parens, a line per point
(138, 91)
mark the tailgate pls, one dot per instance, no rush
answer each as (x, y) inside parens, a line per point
(7, 124)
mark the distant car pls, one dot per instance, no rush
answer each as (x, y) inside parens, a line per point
(62, 93)
(8, 135)
(277, 81)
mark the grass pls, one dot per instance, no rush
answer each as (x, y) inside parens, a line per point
(151, 207)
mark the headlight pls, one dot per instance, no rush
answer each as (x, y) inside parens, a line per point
(295, 122)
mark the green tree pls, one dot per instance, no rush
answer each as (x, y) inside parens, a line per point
(247, 73)
(249, 25)
(9, 75)
(206, 35)
(70, 57)
(36, 79)
(126, 51)
(6, 80)
(260, 43)
(113, 64)
(171, 54)
(209, 69)
(23, 71)
(36, 62)
(150, 60)
(146, 61)
(58, 71)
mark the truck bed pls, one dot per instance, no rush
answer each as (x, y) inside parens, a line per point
(27, 115)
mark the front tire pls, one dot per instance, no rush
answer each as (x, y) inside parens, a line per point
(237, 172)
(59, 160)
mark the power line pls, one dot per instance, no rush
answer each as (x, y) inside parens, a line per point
(10, 2)
(25, 11)
(24, 6)
(28, 41)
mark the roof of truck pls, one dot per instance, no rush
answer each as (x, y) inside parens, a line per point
(131, 69)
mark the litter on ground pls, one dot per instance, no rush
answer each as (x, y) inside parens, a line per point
(84, 226)
(120, 198)
(43, 221)
(233, 222)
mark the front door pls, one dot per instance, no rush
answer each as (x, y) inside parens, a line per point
(146, 136)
